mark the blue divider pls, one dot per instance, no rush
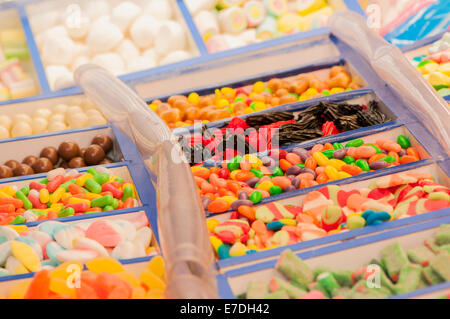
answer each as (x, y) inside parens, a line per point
(192, 28)
(424, 291)
(355, 6)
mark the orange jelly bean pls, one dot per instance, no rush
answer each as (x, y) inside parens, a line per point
(351, 169)
(218, 206)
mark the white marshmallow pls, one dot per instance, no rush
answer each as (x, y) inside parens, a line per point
(151, 54)
(143, 31)
(175, 56)
(58, 50)
(95, 9)
(111, 62)
(103, 36)
(72, 110)
(56, 126)
(21, 129)
(57, 31)
(93, 112)
(127, 50)
(124, 14)
(159, 9)
(248, 36)
(79, 61)
(39, 125)
(43, 21)
(42, 112)
(140, 63)
(96, 120)
(77, 24)
(233, 41)
(60, 108)
(57, 74)
(170, 37)
(5, 121)
(4, 132)
(195, 6)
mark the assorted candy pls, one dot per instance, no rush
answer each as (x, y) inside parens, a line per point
(122, 37)
(24, 250)
(250, 179)
(435, 65)
(68, 155)
(322, 119)
(227, 24)
(105, 278)
(15, 81)
(63, 194)
(400, 271)
(226, 102)
(326, 211)
(60, 117)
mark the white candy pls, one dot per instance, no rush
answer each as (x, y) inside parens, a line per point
(80, 255)
(233, 41)
(124, 250)
(58, 76)
(93, 112)
(103, 169)
(96, 120)
(143, 30)
(54, 32)
(124, 14)
(43, 21)
(111, 62)
(144, 236)
(206, 22)
(79, 61)
(4, 132)
(77, 120)
(103, 36)
(170, 37)
(56, 126)
(76, 23)
(8, 232)
(58, 50)
(64, 237)
(72, 110)
(72, 172)
(140, 63)
(5, 121)
(42, 238)
(39, 125)
(30, 217)
(95, 9)
(42, 112)
(21, 129)
(159, 9)
(5, 252)
(196, 6)
(21, 117)
(127, 50)
(128, 231)
(248, 36)
(175, 56)
(139, 250)
(87, 243)
(60, 108)
(12, 264)
(57, 117)
(151, 54)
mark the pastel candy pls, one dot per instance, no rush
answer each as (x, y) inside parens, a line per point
(144, 236)
(105, 233)
(41, 238)
(64, 235)
(33, 244)
(315, 202)
(90, 244)
(48, 227)
(124, 250)
(3, 272)
(13, 266)
(139, 250)
(80, 255)
(52, 250)
(139, 221)
(25, 255)
(5, 252)
(8, 232)
(127, 229)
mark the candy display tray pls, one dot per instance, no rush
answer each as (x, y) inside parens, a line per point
(348, 255)
(239, 261)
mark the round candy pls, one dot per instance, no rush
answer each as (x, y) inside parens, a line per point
(68, 150)
(22, 170)
(5, 171)
(42, 165)
(94, 154)
(77, 162)
(30, 160)
(104, 141)
(51, 153)
(12, 164)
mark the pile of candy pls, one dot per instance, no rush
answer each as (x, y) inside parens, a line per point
(257, 131)
(400, 271)
(63, 194)
(24, 250)
(14, 81)
(435, 66)
(326, 211)
(249, 179)
(227, 24)
(68, 154)
(105, 279)
(61, 117)
(226, 102)
(128, 37)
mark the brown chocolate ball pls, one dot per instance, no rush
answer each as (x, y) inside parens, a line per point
(51, 153)
(82, 151)
(104, 141)
(64, 164)
(94, 154)
(23, 169)
(12, 164)
(30, 160)
(77, 162)
(5, 171)
(106, 160)
(68, 150)
(42, 165)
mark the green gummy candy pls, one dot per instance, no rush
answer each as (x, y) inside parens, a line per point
(354, 222)
(442, 236)
(93, 171)
(101, 178)
(393, 258)
(441, 266)
(279, 294)
(355, 143)
(257, 172)
(328, 153)
(255, 197)
(327, 280)
(69, 211)
(420, 254)
(275, 190)
(25, 190)
(294, 268)
(348, 160)
(291, 290)
(430, 276)
(409, 279)
(257, 289)
(403, 141)
(18, 220)
(277, 172)
(343, 277)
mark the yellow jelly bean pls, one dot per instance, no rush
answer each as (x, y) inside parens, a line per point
(193, 98)
(248, 110)
(82, 179)
(320, 158)
(153, 106)
(26, 255)
(223, 103)
(9, 190)
(156, 265)
(138, 293)
(150, 250)
(215, 242)
(259, 87)
(56, 207)
(233, 173)
(212, 223)
(104, 264)
(228, 90)
(253, 160)
(311, 91)
(44, 196)
(260, 106)
(337, 164)
(57, 195)
(4, 195)
(198, 168)
(18, 228)
(343, 175)
(238, 249)
(228, 199)
(91, 195)
(266, 185)
(75, 200)
(129, 278)
(336, 90)
(151, 281)
(331, 172)
(19, 290)
(218, 94)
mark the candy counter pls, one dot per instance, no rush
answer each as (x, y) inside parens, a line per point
(93, 177)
